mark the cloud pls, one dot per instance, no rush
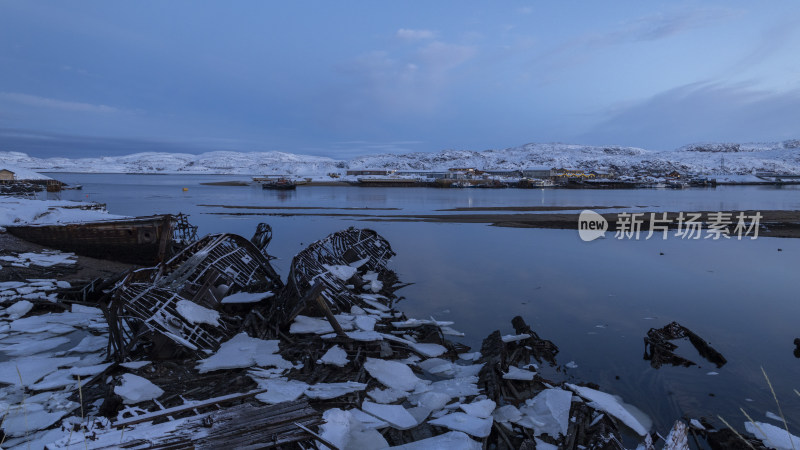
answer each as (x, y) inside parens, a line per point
(51, 103)
(702, 112)
(650, 28)
(404, 82)
(659, 26)
(408, 34)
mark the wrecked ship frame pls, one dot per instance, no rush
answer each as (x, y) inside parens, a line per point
(145, 303)
(364, 248)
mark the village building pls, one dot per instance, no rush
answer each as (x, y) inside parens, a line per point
(7, 175)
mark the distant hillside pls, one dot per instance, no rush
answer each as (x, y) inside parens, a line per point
(706, 158)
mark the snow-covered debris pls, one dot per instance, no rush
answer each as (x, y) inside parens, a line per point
(135, 389)
(627, 414)
(195, 313)
(246, 297)
(244, 351)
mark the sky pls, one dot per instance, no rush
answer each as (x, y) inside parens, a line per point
(350, 78)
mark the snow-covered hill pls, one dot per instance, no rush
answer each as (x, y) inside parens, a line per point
(710, 158)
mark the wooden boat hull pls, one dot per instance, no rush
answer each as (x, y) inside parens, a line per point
(282, 187)
(142, 240)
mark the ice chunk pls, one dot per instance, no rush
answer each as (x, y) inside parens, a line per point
(18, 309)
(28, 417)
(542, 445)
(387, 395)
(343, 273)
(359, 263)
(304, 325)
(31, 369)
(454, 440)
(326, 391)
(365, 323)
(393, 374)
(607, 403)
(368, 421)
(90, 344)
(428, 350)
(246, 297)
(244, 351)
(133, 365)
(433, 400)
(571, 365)
(507, 413)
(549, 412)
(364, 336)
(481, 408)
(336, 428)
(32, 347)
(515, 373)
(394, 415)
(457, 387)
(87, 371)
(772, 436)
(135, 389)
(280, 390)
(195, 313)
(458, 421)
(474, 356)
(335, 356)
(515, 337)
(57, 379)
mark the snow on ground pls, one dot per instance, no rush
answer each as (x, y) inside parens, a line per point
(19, 211)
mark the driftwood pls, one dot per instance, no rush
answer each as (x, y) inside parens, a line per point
(659, 350)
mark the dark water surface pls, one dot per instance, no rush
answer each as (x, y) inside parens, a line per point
(595, 300)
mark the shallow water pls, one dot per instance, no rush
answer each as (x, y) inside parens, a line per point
(595, 300)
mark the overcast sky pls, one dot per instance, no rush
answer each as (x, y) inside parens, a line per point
(343, 78)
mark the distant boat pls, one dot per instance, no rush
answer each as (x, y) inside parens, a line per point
(279, 183)
(141, 240)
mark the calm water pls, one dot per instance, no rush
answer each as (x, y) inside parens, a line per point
(595, 300)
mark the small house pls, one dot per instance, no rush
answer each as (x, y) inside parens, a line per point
(7, 175)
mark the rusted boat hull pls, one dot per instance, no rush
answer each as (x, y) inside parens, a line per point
(143, 240)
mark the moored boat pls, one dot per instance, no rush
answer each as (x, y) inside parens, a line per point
(140, 240)
(279, 183)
